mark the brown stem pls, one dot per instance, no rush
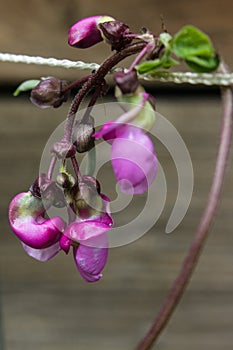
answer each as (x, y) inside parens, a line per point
(75, 84)
(51, 167)
(97, 79)
(195, 249)
(97, 93)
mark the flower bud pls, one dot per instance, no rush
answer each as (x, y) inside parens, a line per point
(48, 93)
(114, 32)
(48, 191)
(82, 135)
(127, 82)
(65, 181)
(85, 33)
(87, 200)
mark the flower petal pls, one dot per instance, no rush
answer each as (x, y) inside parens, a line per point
(91, 261)
(65, 243)
(108, 132)
(26, 216)
(83, 231)
(85, 33)
(134, 161)
(42, 254)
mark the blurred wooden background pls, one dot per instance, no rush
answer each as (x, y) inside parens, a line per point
(48, 306)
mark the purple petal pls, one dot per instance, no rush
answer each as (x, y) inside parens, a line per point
(85, 33)
(38, 235)
(65, 243)
(84, 231)
(110, 131)
(90, 261)
(134, 161)
(42, 254)
(27, 222)
(106, 217)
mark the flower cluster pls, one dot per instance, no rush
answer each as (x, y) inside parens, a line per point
(133, 157)
(88, 218)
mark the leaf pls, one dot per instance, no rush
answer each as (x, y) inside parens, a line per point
(203, 64)
(196, 48)
(149, 66)
(25, 86)
(152, 66)
(190, 41)
(165, 61)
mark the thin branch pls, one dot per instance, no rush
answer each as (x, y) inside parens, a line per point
(52, 166)
(195, 249)
(96, 79)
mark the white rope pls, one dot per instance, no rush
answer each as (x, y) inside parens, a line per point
(192, 78)
(52, 62)
(175, 77)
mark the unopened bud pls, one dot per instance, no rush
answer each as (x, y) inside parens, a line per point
(127, 82)
(64, 180)
(82, 135)
(115, 34)
(87, 199)
(48, 93)
(47, 190)
(92, 182)
(85, 33)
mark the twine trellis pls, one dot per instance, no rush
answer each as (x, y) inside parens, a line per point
(209, 79)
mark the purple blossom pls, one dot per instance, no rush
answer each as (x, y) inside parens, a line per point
(85, 33)
(133, 158)
(43, 239)
(91, 254)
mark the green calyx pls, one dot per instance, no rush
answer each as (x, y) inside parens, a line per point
(144, 119)
(28, 205)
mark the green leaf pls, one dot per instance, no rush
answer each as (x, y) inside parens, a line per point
(196, 48)
(152, 66)
(149, 66)
(190, 41)
(25, 86)
(203, 64)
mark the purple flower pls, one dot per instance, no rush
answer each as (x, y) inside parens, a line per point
(91, 254)
(85, 33)
(42, 239)
(133, 158)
